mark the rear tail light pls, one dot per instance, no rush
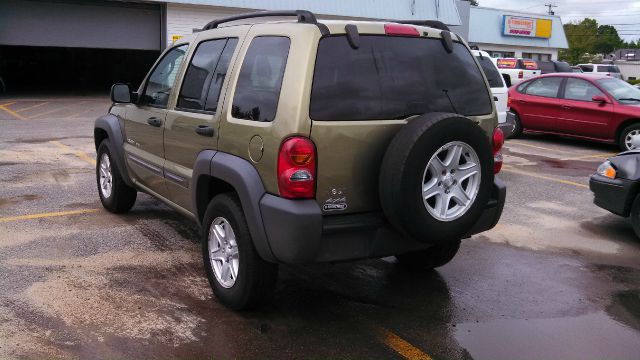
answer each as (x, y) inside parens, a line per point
(401, 30)
(497, 143)
(508, 102)
(297, 168)
(520, 74)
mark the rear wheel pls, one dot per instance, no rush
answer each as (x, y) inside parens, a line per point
(239, 277)
(517, 127)
(431, 258)
(635, 216)
(115, 195)
(630, 138)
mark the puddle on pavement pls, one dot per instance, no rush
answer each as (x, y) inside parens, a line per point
(17, 199)
(591, 336)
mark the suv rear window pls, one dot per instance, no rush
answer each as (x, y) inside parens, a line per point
(608, 68)
(393, 78)
(490, 71)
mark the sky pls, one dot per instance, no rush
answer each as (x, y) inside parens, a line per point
(624, 15)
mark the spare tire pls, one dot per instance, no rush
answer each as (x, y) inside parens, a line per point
(436, 177)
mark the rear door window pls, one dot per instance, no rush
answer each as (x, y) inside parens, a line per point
(390, 77)
(493, 76)
(546, 87)
(258, 88)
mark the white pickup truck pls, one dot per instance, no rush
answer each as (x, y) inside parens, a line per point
(601, 69)
(517, 70)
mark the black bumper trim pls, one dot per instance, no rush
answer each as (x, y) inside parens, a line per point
(614, 195)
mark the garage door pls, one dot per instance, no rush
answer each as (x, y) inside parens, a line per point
(86, 24)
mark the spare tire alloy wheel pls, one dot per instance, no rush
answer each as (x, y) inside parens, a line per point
(223, 249)
(451, 181)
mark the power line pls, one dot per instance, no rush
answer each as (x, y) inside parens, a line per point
(550, 6)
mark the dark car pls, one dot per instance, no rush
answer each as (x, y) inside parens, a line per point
(615, 186)
(554, 66)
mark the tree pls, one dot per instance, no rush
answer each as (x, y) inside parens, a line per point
(582, 37)
(608, 40)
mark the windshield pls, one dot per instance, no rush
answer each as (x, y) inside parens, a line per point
(622, 91)
(490, 71)
(391, 77)
(608, 68)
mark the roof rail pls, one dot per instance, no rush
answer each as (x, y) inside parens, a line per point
(303, 16)
(430, 23)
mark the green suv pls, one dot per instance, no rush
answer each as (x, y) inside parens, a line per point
(305, 141)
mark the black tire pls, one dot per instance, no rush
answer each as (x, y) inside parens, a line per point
(403, 169)
(122, 196)
(624, 133)
(635, 215)
(256, 277)
(431, 258)
(517, 127)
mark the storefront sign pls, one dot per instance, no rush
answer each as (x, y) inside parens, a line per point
(528, 27)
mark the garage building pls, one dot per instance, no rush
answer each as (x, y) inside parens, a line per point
(87, 45)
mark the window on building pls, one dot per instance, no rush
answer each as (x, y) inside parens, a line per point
(578, 89)
(163, 77)
(258, 88)
(546, 87)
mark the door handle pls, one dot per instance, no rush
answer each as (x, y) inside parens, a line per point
(522, 101)
(154, 121)
(205, 130)
(567, 107)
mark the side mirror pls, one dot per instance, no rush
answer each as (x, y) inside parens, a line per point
(599, 99)
(120, 93)
(507, 79)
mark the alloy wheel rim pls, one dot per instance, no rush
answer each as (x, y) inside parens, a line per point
(223, 252)
(632, 140)
(451, 181)
(106, 177)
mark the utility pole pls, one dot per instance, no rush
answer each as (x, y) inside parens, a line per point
(550, 6)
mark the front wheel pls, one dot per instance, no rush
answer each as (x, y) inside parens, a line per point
(239, 277)
(115, 195)
(431, 258)
(630, 138)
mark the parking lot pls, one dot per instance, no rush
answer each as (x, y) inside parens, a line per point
(557, 278)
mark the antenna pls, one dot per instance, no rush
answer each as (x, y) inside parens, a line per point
(550, 6)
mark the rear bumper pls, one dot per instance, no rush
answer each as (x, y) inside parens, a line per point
(297, 231)
(615, 195)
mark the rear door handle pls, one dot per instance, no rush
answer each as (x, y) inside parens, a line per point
(154, 121)
(205, 130)
(566, 107)
(522, 101)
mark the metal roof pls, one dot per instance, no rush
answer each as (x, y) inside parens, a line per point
(486, 27)
(442, 10)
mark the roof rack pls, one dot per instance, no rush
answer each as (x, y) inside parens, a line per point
(430, 23)
(303, 16)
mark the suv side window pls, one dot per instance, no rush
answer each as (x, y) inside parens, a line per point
(258, 88)
(546, 87)
(205, 75)
(582, 90)
(158, 87)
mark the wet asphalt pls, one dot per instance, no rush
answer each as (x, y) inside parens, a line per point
(558, 278)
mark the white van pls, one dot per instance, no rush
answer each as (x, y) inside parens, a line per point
(499, 89)
(601, 69)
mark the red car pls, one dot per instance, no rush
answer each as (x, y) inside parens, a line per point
(597, 108)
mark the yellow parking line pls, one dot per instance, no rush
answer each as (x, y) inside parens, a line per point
(566, 182)
(47, 215)
(48, 112)
(80, 154)
(400, 345)
(603, 156)
(32, 106)
(11, 112)
(539, 147)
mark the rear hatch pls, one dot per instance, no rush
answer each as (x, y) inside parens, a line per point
(362, 96)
